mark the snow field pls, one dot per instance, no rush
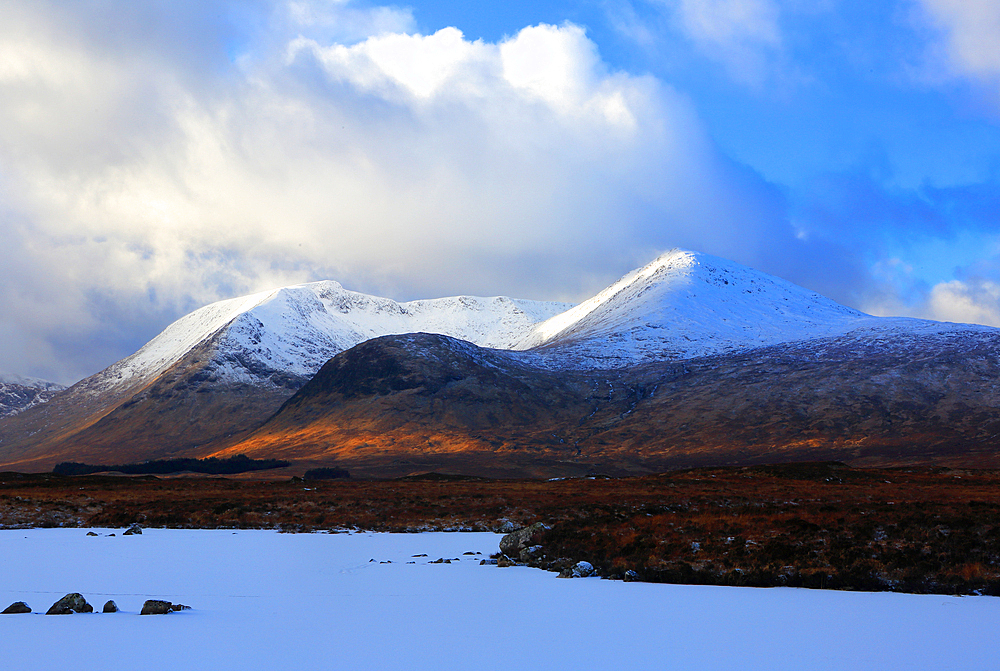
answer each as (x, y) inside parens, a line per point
(264, 600)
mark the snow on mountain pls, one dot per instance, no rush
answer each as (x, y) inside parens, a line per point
(686, 304)
(19, 393)
(295, 330)
(682, 305)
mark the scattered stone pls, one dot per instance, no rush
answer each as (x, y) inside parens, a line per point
(134, 530)
(513, 543)
(69, 604)
(15, 608)
(488, 562)
(110, 607)
(469, 553)
(631, 576)
(440, 560)
(91, 533)
(419, 555)
(179, 607)
(110, 534)
(503, 562)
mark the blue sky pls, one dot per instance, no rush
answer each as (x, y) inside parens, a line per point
(156, 156)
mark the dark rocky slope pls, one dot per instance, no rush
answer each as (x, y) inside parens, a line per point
(420, 402)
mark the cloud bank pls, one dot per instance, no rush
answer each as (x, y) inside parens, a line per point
(156, 156)
(177, 155)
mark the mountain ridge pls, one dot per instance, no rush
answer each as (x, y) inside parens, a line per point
(211, 379)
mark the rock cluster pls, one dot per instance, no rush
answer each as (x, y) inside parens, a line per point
(526, 547)
(75, 603)
(523, 543)
(133, 530)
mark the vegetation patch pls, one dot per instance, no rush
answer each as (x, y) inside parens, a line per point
(820, 525)
(211, 466)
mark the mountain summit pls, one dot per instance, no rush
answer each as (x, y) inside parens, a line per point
(687, 304)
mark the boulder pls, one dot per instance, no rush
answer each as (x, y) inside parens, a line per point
(133, 530)
(71, 603)
(157, 607)
(110, 607)
(505, 561)
(91, 533)
(16, 607)
(513, 543)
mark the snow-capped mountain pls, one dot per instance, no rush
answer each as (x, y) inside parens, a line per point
(19, 393)
(227, 366)
(293, 331)
(706, 329)
(686, 304)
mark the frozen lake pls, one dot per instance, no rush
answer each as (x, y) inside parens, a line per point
(264, 600)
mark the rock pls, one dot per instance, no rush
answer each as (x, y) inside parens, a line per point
(581, 569)
(527, 554)
(71, 603)
(91, 533)
(631, 576)
(156, 607)
(487, 562)
(505, 561)
(15, 608)
(134, 530)
(111, 534)
(513, 543)
(110, 607)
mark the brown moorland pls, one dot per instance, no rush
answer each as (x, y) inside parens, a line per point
(821, 525)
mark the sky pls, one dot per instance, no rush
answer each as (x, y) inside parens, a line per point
(159, 155)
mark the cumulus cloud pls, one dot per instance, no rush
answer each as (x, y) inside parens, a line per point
(141, 176)
(974, 302)
(970, 44)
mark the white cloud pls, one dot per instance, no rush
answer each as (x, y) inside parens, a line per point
(971, 36)
(405, 164)
(972, 302)
(741, 34)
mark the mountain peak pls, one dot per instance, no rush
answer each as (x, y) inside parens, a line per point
(685, 304)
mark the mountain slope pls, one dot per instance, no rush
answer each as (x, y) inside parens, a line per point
(405, 404)
(227, 366)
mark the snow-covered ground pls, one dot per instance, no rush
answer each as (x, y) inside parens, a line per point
(263, 600)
